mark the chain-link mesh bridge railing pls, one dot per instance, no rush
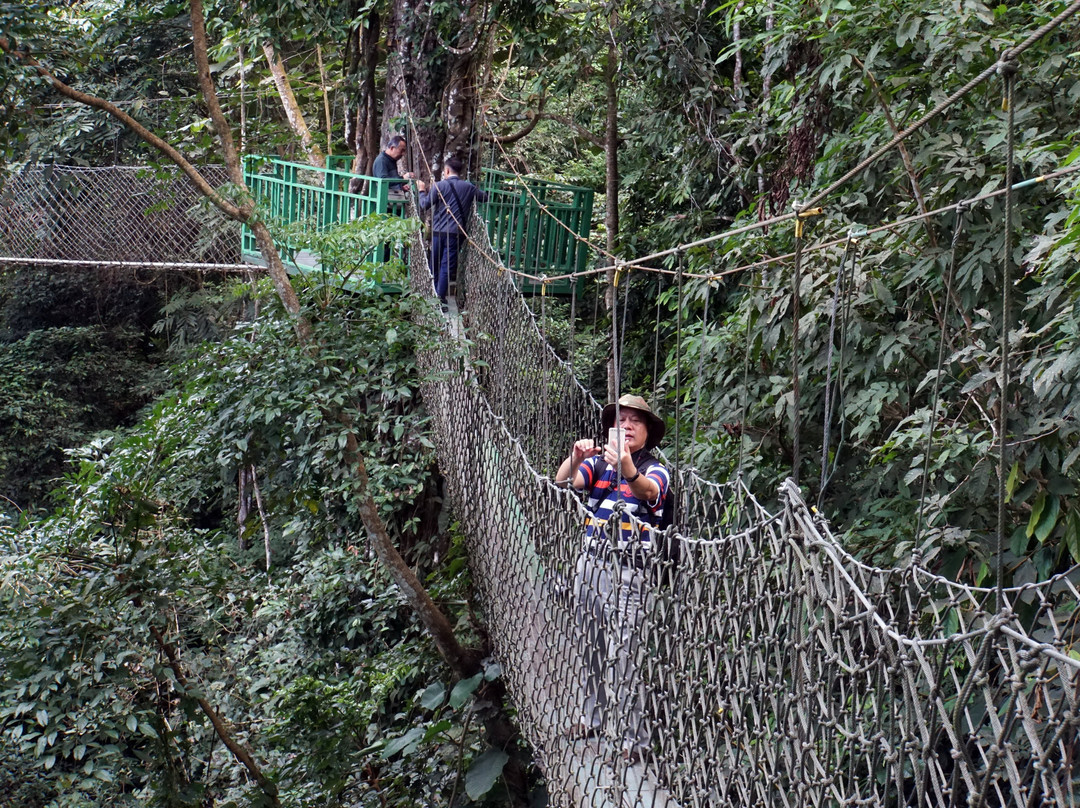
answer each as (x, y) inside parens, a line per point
(763, 665)
(114, 216)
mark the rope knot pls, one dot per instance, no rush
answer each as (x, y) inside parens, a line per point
(620, 268)
(1007, 65)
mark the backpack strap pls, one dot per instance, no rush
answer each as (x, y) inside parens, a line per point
(462, 214)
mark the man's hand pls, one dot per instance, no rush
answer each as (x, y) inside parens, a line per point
(408, 175)
(421, 185)
(583, 450)
(613, 456)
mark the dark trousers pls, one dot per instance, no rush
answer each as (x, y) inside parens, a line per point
(444, 255)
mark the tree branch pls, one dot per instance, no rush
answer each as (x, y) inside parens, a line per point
(909, 167)
(533, 117)
(226, 207)
(292, 108)
(597, 140)
(464, 662)
(239, 752)
(209, 94)
(263, 238)
(592, 137)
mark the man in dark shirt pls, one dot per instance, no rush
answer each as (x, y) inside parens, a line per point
(386, 165)
(451, 201)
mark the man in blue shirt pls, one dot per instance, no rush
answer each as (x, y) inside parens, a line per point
(623, 481)
(451, 201)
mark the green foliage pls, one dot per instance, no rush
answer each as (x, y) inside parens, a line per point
(77, 359)
(57, 387)
(134, 54)
(345, 250)
(315, 662)
(830, 74)
(38, 299)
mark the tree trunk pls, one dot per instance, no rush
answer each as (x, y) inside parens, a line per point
(292, 108)
(431, 84)
(362, 119)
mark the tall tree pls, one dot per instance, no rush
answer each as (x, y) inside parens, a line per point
(436, 51)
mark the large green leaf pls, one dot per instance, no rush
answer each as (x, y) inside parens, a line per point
(464, 689)
(484, 772)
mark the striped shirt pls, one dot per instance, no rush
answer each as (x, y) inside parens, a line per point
(603, 496)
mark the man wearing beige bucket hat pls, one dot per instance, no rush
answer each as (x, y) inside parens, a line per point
(626, 483)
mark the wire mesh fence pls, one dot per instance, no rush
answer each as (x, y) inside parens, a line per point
(115, 215)
(744, 659)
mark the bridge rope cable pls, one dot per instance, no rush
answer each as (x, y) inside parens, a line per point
(592, 333)
(772, 667)
(225, 269)
(1006, 62)
(1008, 57)
(950, 273)
(829, 244)
(542, 206)
(463, 227)
(1009, 76)
(796, 375)
(890, 226)
(639, 265)
(838, 315)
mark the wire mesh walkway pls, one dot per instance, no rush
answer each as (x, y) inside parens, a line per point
(767, 666)
(115, 216)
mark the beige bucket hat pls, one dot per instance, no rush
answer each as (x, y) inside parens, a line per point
(656, 426)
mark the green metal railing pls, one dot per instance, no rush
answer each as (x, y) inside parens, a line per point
(530, 240)
(320, 197)
(525, 237)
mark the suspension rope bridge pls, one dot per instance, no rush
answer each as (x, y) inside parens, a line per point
(119, 217)
(767, 665)
(775, 669)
